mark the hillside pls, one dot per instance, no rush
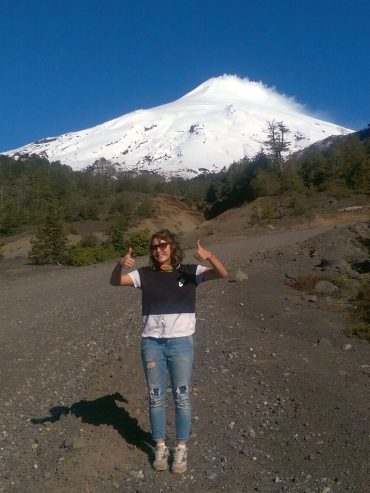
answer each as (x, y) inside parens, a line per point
(236, 223)
(169, 213)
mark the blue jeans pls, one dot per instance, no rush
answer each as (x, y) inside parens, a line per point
(175, 354)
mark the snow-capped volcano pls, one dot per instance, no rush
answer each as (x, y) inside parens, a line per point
(221, 121)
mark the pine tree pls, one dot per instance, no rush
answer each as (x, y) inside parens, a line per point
(265, 183)
(50, 243)
(116, 232)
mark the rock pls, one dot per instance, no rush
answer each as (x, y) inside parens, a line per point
(359, 229)
(211, 475)
(310, 457)
(311, 298)
(335, 263)
(137, 474)
(292, 273)
(239, 276)
(251, 433)
(77, 444)
(346, 347)
(324, 342)
(325, 288)
(329, 262)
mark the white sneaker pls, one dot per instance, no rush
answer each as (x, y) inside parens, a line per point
(161, 457)
(180, 464)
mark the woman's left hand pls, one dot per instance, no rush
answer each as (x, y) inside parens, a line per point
(201, 253)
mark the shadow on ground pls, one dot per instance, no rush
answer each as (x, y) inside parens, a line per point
(104, 411)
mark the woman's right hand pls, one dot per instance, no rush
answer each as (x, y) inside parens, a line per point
(127, 261)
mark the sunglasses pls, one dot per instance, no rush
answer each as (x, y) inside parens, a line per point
(160, 246)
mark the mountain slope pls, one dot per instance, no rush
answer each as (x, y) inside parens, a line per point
(221, 121)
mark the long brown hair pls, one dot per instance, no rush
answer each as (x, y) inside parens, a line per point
(177, 254)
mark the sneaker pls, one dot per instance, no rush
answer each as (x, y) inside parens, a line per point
(161, 458)
(180, 464)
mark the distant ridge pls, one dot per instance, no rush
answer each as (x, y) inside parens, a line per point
(220, 121)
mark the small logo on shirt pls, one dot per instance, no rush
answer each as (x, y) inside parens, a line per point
(181, 282)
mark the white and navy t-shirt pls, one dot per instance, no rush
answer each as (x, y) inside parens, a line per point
(168, 299)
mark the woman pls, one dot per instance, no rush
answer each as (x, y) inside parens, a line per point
(168, 308)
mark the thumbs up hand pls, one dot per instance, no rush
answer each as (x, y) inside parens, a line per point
(127, 261)
(201, 253)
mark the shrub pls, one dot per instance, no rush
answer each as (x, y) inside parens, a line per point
(263, 213)
(299, 205)
(359, 329)
(116, 232)
(265, 183)
(88, 212)
(347, 288)
(80, 255)
(365, 242)
(291, 181)
(360, 325)
(305, 283)
(123, 205)
(89, 241)
(139, 242)
(49, 246)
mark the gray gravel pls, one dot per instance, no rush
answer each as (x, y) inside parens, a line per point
(280, 399)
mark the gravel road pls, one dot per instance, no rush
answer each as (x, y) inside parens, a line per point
(280, 394)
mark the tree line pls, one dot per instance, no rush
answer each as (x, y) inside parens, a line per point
(31, 187)
(339, 167)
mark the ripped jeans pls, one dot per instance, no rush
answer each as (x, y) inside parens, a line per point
(175, 354)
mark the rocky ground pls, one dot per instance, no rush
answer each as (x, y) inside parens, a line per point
(280, 394)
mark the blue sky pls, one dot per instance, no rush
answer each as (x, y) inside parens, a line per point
(72, 64)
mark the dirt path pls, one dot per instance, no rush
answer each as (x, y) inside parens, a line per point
(273, 409)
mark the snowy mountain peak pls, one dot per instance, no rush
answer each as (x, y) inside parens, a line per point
(232, 86)
(220, 121)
